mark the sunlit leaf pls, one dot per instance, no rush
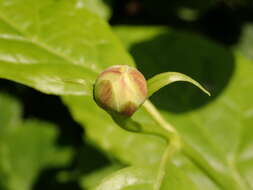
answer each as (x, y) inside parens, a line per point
(57, 47)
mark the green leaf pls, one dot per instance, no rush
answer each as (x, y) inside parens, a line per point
(143, 178)
(245, 43)
(26, 148)
(132, 35)
(224, 122)
(95, 178)
(214, 135)
(129, 178)
(131, 148)
(98, 7)
(217, 151)
(163, 79)
(57, 47)
(110, 137)
(10, 110)
(36, 51)
(185, 53)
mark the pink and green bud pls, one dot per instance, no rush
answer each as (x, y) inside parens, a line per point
(121, 89)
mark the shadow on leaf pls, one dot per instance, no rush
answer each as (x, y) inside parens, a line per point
(207, 62)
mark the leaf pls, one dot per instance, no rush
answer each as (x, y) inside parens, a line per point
(163, 79)
(98, 7)
(214, 155)
(245, 43)
(110, 137)
(143, 178)
(10, 111)
(34, 51)
(188, 54)
(132, 35)
(57, 47)
(223, 121)
(95, 178)
(26, 148)
(129, 178)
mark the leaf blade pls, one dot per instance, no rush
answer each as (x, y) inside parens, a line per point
(30, 143)
(160, 80)
(56, 33)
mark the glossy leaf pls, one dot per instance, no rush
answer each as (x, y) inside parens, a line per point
(57, 47)
(36, 51)
(214, 156)
(97, 6)
(129, 178)
(211, 132)
(216, 133)
(110, 137)
(143, 178)
(95, 178)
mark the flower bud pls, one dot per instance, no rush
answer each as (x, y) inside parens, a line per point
(121, 89)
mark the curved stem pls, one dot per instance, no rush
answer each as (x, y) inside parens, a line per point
(151, 109)
(174, 142)
(170, 150)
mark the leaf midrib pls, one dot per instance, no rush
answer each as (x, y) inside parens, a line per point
(236, 176)
(41, 45)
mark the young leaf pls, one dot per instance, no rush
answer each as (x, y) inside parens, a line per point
(163, 79)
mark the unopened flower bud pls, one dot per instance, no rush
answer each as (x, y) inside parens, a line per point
(121, 89)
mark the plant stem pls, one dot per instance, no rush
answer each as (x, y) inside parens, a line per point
(151, 109)
(170, 150)
(174, 142)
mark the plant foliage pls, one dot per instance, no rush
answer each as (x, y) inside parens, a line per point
(59, 47)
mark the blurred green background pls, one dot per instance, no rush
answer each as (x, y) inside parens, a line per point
(52, 147)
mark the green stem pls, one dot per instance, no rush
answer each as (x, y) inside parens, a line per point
(151, 109)
(174, 142)
(174, 145)
(170, 150)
